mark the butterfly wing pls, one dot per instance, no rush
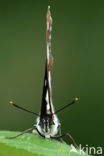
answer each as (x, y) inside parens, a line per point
(47, 107)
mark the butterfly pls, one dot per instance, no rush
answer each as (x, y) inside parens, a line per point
(47, 123)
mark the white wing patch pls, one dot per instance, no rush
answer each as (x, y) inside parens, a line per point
(47, 100)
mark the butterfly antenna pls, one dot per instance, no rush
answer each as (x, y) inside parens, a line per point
(13, 104)
(74, 101)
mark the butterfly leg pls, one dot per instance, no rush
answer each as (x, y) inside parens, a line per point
(39, 132)
(66, 134)
(26, 131)
(61, 139)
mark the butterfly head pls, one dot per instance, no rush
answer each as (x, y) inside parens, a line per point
(46, 123)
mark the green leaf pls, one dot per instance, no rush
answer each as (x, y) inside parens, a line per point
(32, 145)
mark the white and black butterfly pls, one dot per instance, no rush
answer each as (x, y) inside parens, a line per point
(47, 123)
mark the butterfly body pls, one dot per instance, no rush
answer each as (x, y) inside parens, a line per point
(47, 123)
(46, 126)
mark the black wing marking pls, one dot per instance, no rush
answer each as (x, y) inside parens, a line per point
(45, 89)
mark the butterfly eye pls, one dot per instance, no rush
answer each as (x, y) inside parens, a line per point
(43, 120)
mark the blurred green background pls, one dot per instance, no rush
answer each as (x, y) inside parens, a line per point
(78, 50)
